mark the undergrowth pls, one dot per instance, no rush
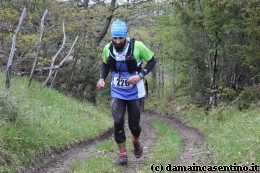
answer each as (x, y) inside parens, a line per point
(233, 135)
(232, 129)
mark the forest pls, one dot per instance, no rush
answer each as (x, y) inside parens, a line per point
(206, 76)
(207, 51)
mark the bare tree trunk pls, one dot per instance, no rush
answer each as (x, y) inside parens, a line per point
(85, 4)
(162, 92)
(153, 79)
(213, 99)
(213, 79)
(175, 81)
(191, 80)
(191, 84)
(158, 70)
(11, 56)
(159, 79)
(75, 57)
(56, 55)
(39, 46)
(61, 63)
(107, 22)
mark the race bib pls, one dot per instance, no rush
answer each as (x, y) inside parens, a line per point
(122, 83)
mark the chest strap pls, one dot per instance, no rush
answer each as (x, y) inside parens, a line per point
(129, 59)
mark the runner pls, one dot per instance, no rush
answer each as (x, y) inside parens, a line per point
(124, 57)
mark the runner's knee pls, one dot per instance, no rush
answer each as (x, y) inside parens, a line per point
(135, 130)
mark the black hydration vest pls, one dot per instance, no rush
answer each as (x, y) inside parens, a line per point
(129, 59)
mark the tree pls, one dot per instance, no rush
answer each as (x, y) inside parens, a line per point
(210, 39)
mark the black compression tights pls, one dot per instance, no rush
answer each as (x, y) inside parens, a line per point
(118, 108)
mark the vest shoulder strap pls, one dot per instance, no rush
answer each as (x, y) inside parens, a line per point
(111, 49)
(131, 47)
(130, 50)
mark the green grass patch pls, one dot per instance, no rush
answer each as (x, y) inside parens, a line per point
(100, 163)
(233, 135)
(166, 148)
(44, 120)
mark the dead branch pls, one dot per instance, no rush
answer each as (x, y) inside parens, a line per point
(49, 68)
(56, 55)
(10, 59)
(39, 46)
(67, 56)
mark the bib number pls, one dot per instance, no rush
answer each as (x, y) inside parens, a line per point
(122, 83)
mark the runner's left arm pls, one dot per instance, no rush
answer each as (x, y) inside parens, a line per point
(149, 66)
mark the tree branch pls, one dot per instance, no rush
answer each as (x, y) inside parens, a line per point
(11, 56)
(72, 47)
(56, 55)
(39, 47)
(107, 23)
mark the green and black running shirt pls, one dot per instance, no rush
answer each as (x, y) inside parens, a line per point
(120, 88)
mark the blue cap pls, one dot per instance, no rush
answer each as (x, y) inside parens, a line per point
(119, 29)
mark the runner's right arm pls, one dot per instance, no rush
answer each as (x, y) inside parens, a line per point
(104, 71)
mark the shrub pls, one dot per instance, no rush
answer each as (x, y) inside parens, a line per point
(248, 96)
(8, 109)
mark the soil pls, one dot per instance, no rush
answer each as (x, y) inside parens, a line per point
(194, 148)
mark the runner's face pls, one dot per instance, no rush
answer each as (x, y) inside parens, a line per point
(119, 43)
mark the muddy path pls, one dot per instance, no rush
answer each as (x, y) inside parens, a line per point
(194, 148)
(61, 161)
(148, 138)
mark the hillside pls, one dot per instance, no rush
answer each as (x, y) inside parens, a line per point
(49, 131)
(37, 120)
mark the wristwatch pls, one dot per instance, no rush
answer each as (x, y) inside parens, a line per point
(141, 75)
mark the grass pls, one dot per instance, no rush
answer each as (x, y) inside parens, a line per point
(35, 120)
(233, 135)
(100, 163)
(93, 165)
(165, 149)
(42, 119)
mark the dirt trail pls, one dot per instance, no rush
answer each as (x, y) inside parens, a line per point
(148, 138)
(62, 161)
(194, 148)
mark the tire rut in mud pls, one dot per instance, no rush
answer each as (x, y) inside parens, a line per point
(62, 161)
(194, 148)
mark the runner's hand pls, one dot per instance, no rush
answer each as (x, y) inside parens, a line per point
(134, 79)
(101, 84)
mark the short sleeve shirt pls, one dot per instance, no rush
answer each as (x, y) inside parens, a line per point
(141, 52)
(120, 88)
